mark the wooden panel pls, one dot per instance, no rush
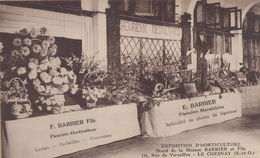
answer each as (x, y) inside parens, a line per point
(13, 19)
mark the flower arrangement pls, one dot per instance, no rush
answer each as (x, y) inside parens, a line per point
(16, 98)
(52, 103)
(33, 59)
(49, 78)
(90, 80)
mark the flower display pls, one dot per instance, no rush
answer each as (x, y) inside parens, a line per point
(32, 58)
(49, 78)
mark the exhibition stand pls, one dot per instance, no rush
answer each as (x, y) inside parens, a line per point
(173, 117)
(59, 134)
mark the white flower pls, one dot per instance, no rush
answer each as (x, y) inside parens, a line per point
(46, 78)
(17, 42)
(53, 72)
(34, 33)
(45, 44)
(27, 41)
(32, 65)
(1, 47)
(15, 53)
(36, 48)
(36, 82)
(48, 101)
(17, 107)
(21, 70)
(43, 67)
(57, 80)
(55, 62)
(27, 107)
(71, 75)
(65, 88)
(25, 51)
(63, 71)
(59, 99)
(2, 74)
(74, 89)
(40, 108)
(43, 52)
(65, 79)
(41, 89)
(32, 74)
(48, 108)
(52, 51)
(1, 57)
(51, 39)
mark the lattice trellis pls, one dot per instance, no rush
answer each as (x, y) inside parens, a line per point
(160, 53)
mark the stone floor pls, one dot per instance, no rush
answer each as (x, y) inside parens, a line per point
(245, 130)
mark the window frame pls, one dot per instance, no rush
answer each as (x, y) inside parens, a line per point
(224, 14)
(162, 11)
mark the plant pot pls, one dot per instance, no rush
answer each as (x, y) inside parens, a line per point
(91, 104)
(190, 88)
(57, 109)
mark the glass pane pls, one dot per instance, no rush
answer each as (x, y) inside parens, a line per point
(233, 19)
(200, 15)
(170, 9)
(124, 6)
(239, 17)
(213, 14)
(227, 44)
(257, 24)
(225, 18)
(210, 42)
(145, 8)
(219, 44)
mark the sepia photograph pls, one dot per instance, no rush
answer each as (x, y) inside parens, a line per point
(130, 78)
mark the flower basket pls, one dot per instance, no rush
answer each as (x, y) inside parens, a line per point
(16, 99)
(51, 103)
(20, 107)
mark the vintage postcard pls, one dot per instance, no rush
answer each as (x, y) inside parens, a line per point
(130, 78)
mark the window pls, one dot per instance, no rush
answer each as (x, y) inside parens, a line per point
(212, 15)
(252, 23)
(163, 10)
(217, 42)
(200, 13)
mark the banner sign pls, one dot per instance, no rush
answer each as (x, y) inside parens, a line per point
(173, 117)
(137, 29)
(60, 134)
